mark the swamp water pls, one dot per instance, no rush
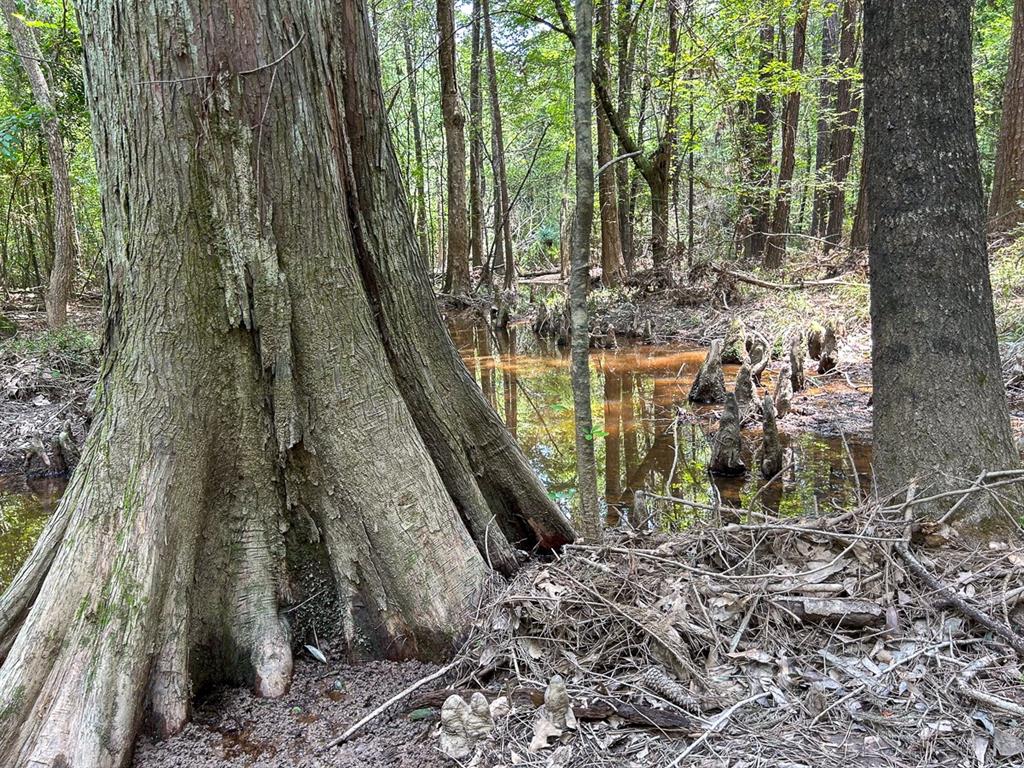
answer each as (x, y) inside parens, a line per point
(646, 435)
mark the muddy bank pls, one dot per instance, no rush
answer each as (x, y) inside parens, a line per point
(45, 381)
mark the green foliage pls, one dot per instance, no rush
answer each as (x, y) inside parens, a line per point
(69, 342)
(25, 186)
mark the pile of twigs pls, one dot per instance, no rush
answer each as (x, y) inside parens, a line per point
(774, 642)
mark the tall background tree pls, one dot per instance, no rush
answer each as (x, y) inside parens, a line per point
(457, 279)
(927, 218)
(1006, 203)
(579, 276)
(64, 231)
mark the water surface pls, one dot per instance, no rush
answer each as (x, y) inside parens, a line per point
(646, 435)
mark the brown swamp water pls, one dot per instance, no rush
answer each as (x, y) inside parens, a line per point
(646, 435)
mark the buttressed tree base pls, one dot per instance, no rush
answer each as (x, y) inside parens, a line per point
(272, 357)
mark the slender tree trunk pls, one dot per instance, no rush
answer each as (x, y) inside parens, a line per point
(502, 207)
(625, 62)
(860, 234)
(278, 392)
(761, 144)
(565, 216)
(659, 168)
(775, 254)
(847, 107)
(476, 146)
(457, 279)
(611, 243)
(579, 278)
(419, 174)
(940, 412)
(826, 118)
(64, 232)
(1006, 203)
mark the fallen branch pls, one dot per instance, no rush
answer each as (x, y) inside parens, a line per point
(390, 703)
(917, 569)
(721, 720)
(798, 286)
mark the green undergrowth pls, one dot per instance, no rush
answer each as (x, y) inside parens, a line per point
(68, 342)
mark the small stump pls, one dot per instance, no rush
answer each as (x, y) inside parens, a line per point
(735, 348)
(796, 361)
(784, 391)
(769, 456)
(727, 446)
(829, 354)
(709, 386)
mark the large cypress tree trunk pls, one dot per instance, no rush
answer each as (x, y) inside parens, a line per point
(940, 412)
(64, 229)
(1005, 208)
(276, 381)
(457, 278)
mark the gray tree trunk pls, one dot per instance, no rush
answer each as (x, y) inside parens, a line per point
(940, 412)
(278, 391)
(476, 145)
(419, 175)
(611, 241)
(503, 255)
(1006, 203)
(775, 253)
(579, 275)
(65, 232)
(457, 278)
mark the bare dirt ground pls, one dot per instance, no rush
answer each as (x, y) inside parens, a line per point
(232, 727)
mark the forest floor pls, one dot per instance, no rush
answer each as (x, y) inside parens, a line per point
(827, 648)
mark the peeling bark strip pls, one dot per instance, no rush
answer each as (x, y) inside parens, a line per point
(939, 429)
(274, 364)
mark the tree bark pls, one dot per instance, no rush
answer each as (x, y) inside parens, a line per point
(64, 230)
(419, 174)
(503, 254)
(1006, 203)
(775, 254)
(826, 116)
(847, 108)
(579, 277)
(761, 145)
(624, 70)
(611, 242)
(476, 146)
(860, 234)
(278, 390)
(927, 218)
(457, 277)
